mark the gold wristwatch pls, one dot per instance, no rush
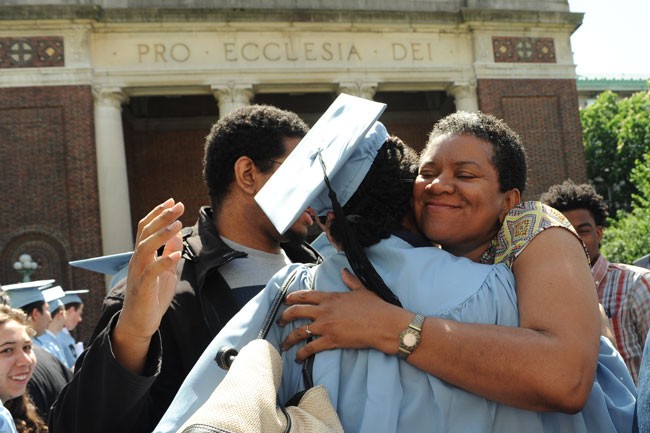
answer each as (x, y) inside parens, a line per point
(409, 339)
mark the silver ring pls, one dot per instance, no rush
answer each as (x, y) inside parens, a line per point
(308, 331)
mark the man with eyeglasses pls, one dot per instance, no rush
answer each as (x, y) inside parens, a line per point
(156, 324)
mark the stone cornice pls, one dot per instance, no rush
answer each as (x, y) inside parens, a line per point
(467, 16)
(163, 15)
(50, 12)
(522, 17)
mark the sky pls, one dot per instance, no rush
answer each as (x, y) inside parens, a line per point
(614, 38)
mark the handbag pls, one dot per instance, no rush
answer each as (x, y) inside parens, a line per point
(246, 399)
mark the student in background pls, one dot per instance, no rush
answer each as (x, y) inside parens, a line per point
(74, 308)
(50, 375)
(623, 290)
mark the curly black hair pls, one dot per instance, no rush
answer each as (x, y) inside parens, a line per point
(568, 196)
(509, 154)
(256, 131)
(379, 205)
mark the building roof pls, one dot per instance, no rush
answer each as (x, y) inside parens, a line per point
(615, 84)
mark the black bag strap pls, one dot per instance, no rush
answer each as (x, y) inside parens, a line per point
(270, 318)
(226, 355)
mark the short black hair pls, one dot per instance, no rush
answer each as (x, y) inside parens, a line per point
(383, 198)
(29, 308)
(256, 131)
(568, 196)
(509, 153)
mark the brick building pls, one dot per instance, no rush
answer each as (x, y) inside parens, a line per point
(104, 105)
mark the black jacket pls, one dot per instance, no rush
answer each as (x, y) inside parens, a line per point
(103, 396)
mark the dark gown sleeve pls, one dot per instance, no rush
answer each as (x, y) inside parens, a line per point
(102, 395)
(48, 379)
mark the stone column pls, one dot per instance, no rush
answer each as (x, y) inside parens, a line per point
(232, 96)
(464, 95)
(112, 179)
(358, 88)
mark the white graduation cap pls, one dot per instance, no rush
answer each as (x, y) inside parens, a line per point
(54, 305)
(22, 294)
(109, 265)
(72, 296)
(52, 294)
(342, 144)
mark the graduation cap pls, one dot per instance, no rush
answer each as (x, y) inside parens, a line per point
(51, 294)
(109, 265)
(115, 265)
(54, 305)
(337, 146)
(22, 294)
(72, 296)
(325, 170)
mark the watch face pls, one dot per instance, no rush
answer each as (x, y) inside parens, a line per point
(409, 339)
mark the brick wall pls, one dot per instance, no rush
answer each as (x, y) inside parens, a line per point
(173, 164)
(545, 114)
(48, 176)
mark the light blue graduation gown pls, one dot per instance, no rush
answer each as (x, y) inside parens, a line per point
(6, 421)
(49, 342)
(375, 392)
(67, 346)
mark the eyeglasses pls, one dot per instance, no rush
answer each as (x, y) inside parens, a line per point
(275, 161)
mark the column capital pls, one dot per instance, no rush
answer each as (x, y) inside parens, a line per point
(111, 96)
(361, 89)
(231, 96)
(464, 93)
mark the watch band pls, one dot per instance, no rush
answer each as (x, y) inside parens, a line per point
(409, 339)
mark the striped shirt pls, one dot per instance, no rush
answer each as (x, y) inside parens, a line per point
(624, 292)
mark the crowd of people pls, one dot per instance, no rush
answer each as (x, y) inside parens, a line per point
(442, 302)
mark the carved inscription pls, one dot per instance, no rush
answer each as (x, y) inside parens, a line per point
(275, 51)
(415, 51)
(286, 51)
(162, 53)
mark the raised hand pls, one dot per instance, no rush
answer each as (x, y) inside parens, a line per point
(151, 283)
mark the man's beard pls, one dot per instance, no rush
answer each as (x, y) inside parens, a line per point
(294, 236)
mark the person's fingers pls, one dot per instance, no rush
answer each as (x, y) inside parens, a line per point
(305, 297)
(162, 217)
(175, 243)
(168, 229)
(295, 312)
(144, 222)
(299, 334)
(311, 348)
(149, 276)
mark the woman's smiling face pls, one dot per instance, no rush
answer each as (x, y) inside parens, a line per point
(456, 197)
(16, 359)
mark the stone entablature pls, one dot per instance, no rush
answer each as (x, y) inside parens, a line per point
(132, 48)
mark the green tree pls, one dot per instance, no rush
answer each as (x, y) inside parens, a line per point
(628, 236)
(616, 133)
